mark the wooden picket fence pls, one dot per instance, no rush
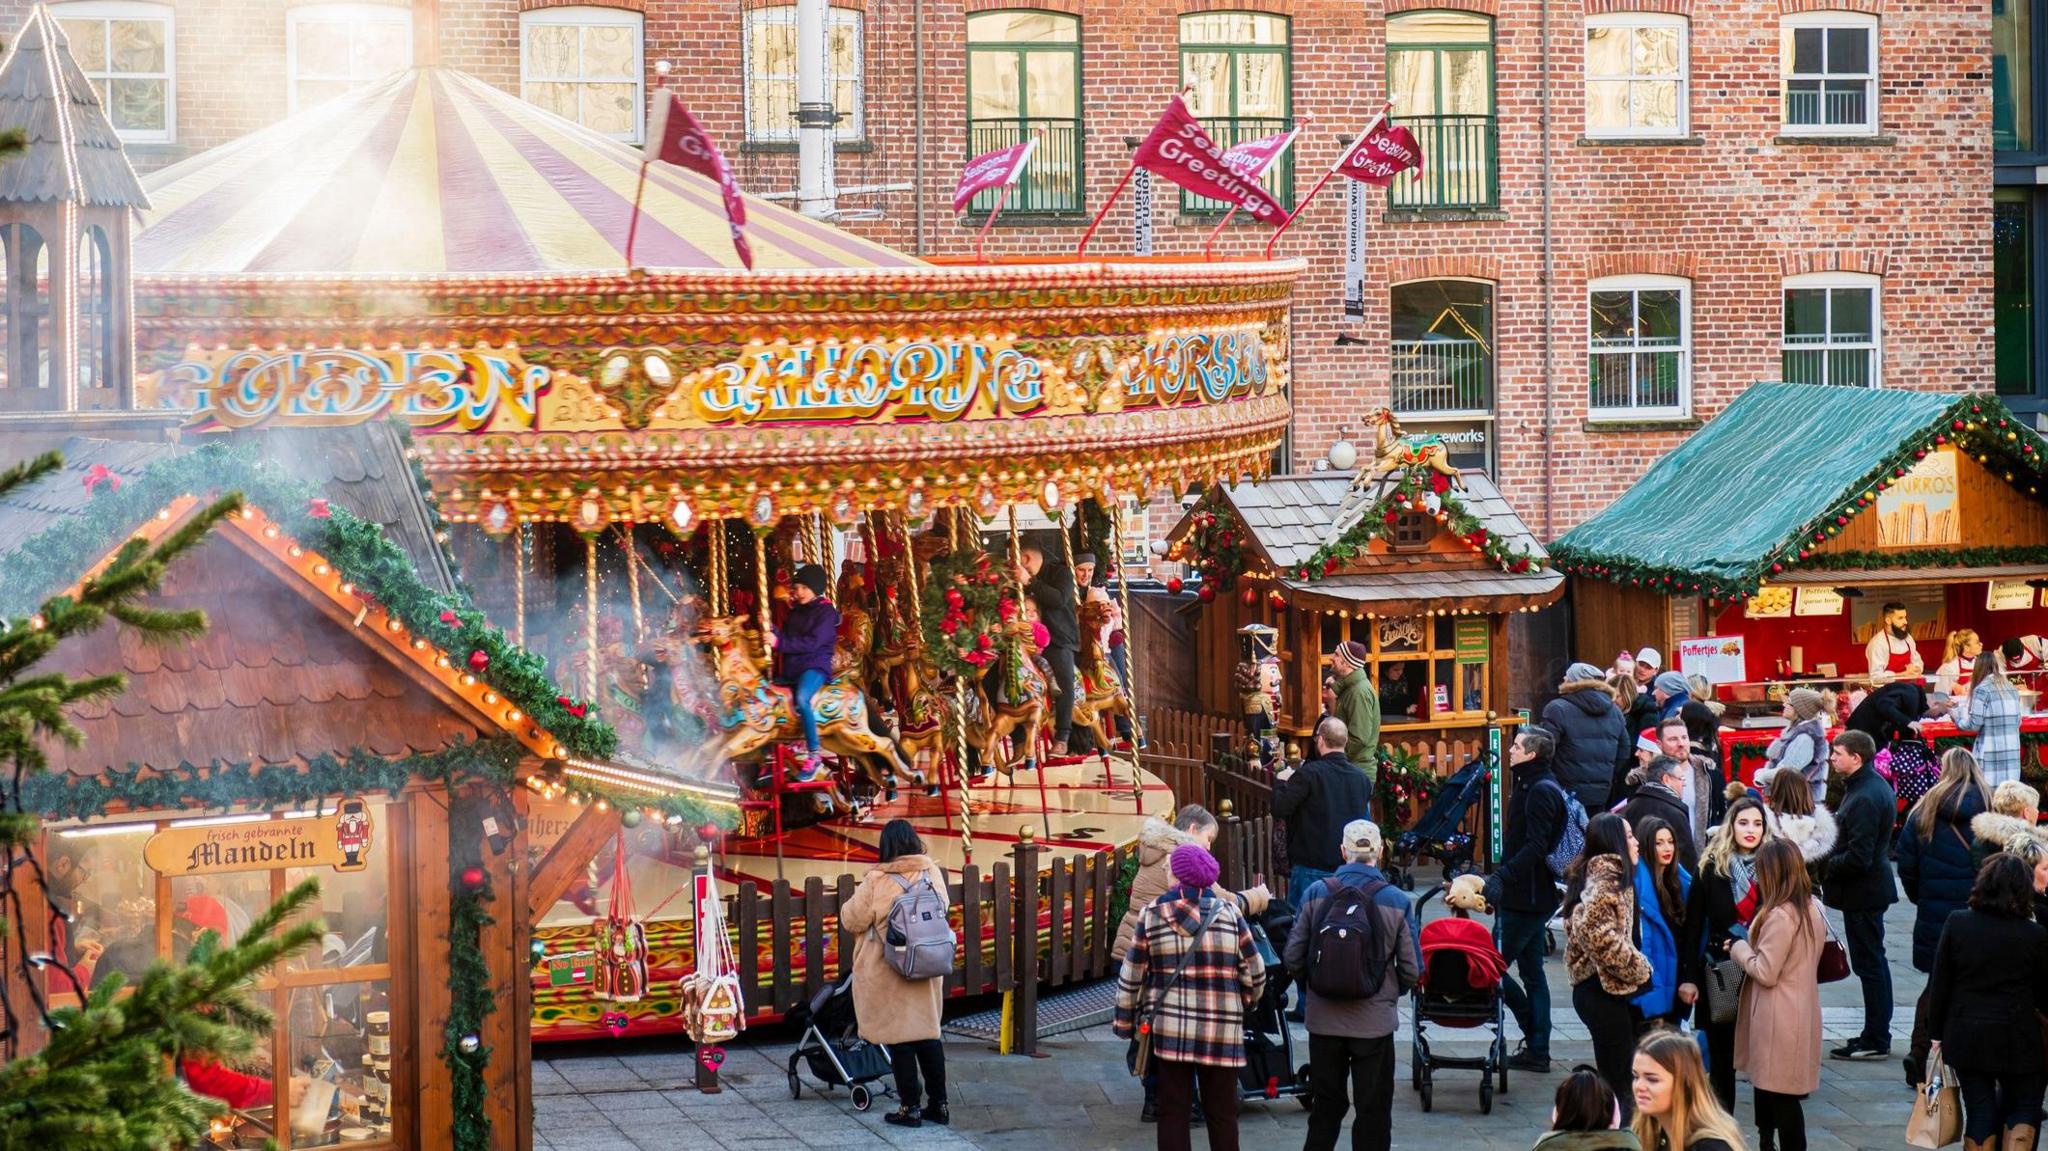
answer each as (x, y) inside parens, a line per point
(1023, 925)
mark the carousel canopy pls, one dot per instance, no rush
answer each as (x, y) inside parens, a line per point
(435, 172)
(1806, 460)
(72, 152)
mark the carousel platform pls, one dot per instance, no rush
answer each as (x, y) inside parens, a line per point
(1087, 808)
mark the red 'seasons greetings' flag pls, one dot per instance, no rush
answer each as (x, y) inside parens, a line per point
(1384, 152)
(1182, 152)
(1251, 158)
(991, 170)
(675, 137)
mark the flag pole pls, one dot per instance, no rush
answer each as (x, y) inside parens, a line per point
(1341, 156)
(657, 124)
(1003, 193)
(1082, 249)
(1209, 249)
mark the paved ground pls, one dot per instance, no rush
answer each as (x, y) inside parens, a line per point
(638, 1094)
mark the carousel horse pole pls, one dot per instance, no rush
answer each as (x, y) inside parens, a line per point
(1130, 690)
(589, 619)
(1033, 739)
(625, 531)
(522, 550)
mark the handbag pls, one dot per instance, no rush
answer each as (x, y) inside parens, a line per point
(1723, 990)
(1937, 1118)
(1141, 1041)
(1834, 958)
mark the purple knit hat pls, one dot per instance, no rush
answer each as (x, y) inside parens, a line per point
(1194, 866)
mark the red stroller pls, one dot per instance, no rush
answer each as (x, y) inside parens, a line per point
(1460, 987)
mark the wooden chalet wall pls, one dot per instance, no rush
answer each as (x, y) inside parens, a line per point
(1993, 513)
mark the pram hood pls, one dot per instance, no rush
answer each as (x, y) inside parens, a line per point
(1467, 940)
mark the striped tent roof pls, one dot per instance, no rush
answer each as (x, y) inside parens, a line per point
(433, 171)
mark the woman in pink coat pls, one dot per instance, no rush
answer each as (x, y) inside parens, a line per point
(1777, 1026)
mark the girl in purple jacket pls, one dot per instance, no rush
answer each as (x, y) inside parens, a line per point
(805, 643)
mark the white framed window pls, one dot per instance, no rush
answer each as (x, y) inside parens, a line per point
(583, 64)
(1639, 347)
(769, 47)
(1832, 331)
(1636, 65)
(129, 52)
(330, 49)
(1829, 61)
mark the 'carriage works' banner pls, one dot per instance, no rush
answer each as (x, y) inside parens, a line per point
(1181, 151)
(340, 841)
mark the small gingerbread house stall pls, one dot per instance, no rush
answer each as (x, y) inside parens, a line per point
(1763, 551)
(343, 717)
(1422, 566)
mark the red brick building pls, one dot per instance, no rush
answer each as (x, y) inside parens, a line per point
(1728, 190)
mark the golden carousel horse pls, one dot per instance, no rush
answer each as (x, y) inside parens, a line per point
(1102, 697)
(1392, 451)
(924, 712)
(991, 721)
(755, 711)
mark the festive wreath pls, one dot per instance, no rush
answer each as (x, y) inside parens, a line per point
(964, 611)
(1217, 542)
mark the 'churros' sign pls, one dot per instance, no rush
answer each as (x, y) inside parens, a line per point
(1920, 509)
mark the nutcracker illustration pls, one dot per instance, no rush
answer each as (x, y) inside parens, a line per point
(352, 834)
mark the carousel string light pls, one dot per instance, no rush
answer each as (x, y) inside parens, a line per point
(590, 617)
(522, 555)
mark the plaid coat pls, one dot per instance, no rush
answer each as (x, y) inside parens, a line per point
(1202, 1019)
(1995, 717)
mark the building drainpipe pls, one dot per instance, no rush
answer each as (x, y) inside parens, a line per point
(1549, 301)
(814, 117)
(917, 122)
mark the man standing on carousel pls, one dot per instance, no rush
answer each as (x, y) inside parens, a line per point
(1052, 592)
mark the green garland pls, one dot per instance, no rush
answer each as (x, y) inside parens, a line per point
(1401, 778)
(1977, 424)
(469, 975)
(962, 613)
(357, 548)
(1414, 493)
(1926, 558)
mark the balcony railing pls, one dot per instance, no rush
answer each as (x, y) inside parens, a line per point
(1431, 376)
(1052, 181)
(1849, 367)
(1230, 131)
(1459, 164)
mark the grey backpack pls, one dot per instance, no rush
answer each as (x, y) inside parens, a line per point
(917, 939)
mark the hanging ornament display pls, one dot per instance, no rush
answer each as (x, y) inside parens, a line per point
(713, 1009)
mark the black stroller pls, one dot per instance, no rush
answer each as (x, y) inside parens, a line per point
(837, 1055)
(1269, 1070)
(1436, 835)
(1460, 989)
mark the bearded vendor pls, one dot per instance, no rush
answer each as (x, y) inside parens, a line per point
(1891, 653)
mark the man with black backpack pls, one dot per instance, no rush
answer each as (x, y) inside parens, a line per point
(1355, 955)
(1522, 890)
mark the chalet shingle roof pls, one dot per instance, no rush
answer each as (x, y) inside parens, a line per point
(73, 154)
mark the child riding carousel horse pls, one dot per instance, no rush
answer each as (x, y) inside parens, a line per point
(806, 641)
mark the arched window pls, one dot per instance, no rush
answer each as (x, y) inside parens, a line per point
(584, 64)
(1639, 347)
(770, 65)
(1024, 75)
(1442, 347)
(1238, 64)
(1831, 332)
(95, 308)
(28, 323)
(1440, 78)
(127, 49)
(330, 49)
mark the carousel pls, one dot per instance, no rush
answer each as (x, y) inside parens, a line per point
(640, 463)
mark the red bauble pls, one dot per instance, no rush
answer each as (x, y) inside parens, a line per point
(1207, 594)
(317, 508)
(1776, 568)
(1249, 597)
(985, 641)
(708, 832)
(1329, 567)
(479, 660)
(953, 598)
(450, 618)
(1173, 585)
(472, 878)
(1278, 601)
(1842, 521)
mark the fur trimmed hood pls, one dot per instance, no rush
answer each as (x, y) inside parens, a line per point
(1157, 839)
(1992, 827)
(1813, 835)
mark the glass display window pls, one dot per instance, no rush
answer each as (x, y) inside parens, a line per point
(145, 889)
(1430, 669)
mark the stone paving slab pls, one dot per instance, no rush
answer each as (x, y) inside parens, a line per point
(639, 1095)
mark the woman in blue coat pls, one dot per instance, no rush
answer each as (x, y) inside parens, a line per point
(1662, 886)
(1934, 858)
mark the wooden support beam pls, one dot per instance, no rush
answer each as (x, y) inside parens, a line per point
(565, 861)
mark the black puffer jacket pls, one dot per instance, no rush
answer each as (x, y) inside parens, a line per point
(1536, 812)
(1939, 869)
(1593, 741)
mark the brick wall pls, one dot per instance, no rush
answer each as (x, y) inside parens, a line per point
(1734, 207)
